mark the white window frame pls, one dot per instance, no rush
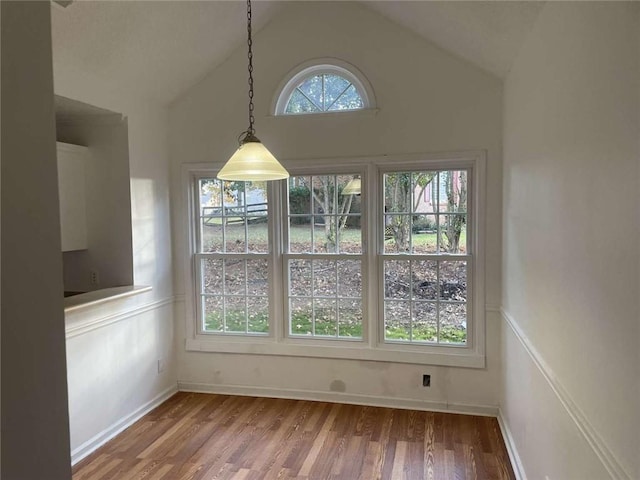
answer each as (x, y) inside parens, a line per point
(372, 346)
(323, 66)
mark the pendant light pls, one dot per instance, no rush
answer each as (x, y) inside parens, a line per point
(252, 160)
(353, 187)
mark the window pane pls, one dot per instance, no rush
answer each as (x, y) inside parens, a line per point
(257, 277)
(397, 192)
(312, 89)
(324, 235)
(300, 277)
(325, 316)
(453, 281)
(258, 314)
(235, 235)
(453, 323)
(454, 190)
(423, 191)
(324, 278)
(234, 277)
(349, 278)
(424, 278)
(211, 235)
(298, 103)
(350, 318)
(397, 233)
(301, 316)
(349, 100)
(299, 236)
(350, 236)
(212, 312)
(397, 279)
(424, 234)
(453, 233)
(235, 315)
(258, 235)
(397, 320)
(299, 196)
(425, 328)
(212, 276)
(334, 86)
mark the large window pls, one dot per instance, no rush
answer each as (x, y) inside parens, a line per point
(372, 259)
(232, 258)
(323, 258)
(425, 256)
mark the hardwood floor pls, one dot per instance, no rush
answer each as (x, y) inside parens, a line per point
(202, 437)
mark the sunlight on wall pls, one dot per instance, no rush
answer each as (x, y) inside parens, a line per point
(142, 217)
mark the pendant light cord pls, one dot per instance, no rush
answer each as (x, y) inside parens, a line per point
(251, 130)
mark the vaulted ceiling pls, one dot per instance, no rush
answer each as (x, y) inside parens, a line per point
(160, 48)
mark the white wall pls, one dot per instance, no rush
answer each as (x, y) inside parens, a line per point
(112, 369)
(571, 229)
(35, 434)
(428, 101)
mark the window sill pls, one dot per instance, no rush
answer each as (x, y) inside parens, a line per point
(441, 356)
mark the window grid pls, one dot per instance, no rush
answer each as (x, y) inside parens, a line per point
(443, 306)
(226, 253)
(325, 204)
(456, 331)
(295, 104)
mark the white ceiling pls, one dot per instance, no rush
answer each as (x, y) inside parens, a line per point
(158, 49)
(486, 33)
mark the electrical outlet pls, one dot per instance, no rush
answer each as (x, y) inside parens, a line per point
(426, 380)
(94, 278)
(161, 365)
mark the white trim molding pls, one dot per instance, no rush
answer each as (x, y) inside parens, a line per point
(340, 397)
(510, 444)
(125, 422)
(588, 431)
(87, 322)
(373, 346)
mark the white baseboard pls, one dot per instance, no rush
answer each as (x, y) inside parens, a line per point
(509, 442)
(340, 397)
(590, 434)
(107, 434)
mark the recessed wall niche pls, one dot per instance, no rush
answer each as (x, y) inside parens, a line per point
(93, 148)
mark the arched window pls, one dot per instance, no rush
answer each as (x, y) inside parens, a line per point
(323, 87)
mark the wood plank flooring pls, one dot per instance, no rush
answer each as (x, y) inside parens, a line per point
(204, 437)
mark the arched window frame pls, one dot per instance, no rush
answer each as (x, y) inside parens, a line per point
(323, 66)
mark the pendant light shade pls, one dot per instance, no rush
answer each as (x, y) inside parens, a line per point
(353, 187)
(252, 160)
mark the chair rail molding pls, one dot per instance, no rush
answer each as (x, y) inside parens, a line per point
(588, 431)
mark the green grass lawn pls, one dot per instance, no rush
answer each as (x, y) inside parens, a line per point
(302, 325)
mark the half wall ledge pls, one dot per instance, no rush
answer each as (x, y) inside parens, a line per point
(97, 297)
